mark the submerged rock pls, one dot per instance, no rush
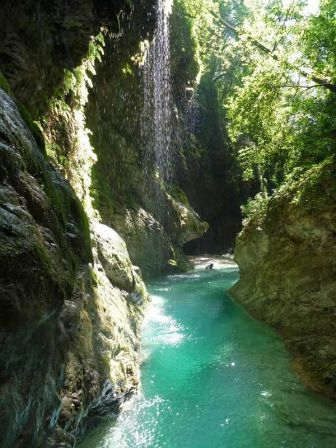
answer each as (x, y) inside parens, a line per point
(287, 261)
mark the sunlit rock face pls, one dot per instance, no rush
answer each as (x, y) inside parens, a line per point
(287, 268)
(189, 224)
(154, 246)
(112, 253)
(132, 116)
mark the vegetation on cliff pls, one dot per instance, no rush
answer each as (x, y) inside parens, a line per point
(82, 197)
(70, 298)
(269, 71)
(78, 290)
(275, 69)
(204, 144)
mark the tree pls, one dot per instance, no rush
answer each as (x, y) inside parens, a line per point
(275, 74)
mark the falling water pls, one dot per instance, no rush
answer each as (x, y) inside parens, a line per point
(193, 113)
(157, 115)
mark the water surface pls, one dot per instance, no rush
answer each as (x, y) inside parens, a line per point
(214, 377)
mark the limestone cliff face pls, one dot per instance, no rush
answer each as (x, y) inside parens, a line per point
(45, 250)
(217, 194)
(78, 208)
(41, 40)
(70, 317)
(288, 270)
(155, 240)
(126, 190)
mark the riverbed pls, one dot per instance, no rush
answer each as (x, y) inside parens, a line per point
(212, 376)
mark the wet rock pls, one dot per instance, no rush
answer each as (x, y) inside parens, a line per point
(136, 298)
(37, 277)
(190, 226)
(107, 403)
(287, 271)
(113, 254)
(155, 247)
(148, 243)
(67, 327)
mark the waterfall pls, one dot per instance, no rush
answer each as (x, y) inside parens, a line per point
(158, 106)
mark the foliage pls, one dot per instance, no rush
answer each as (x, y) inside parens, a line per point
(274, 65)
(286, 120)
(198, 14)
(65, 119)
(178, 194)
(255, 209)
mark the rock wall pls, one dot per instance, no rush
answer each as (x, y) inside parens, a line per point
(70, 317)
(286, 256)
(126, 190)
(71, 300)
(40, 40)
(218, 193)
(203, 145)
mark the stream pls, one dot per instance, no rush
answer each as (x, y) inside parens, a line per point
(214, 377)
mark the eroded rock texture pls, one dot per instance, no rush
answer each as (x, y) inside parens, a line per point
(127, 191)
(71, 300)
(287, 262)
(69, 329)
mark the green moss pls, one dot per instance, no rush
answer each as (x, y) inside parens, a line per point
(101, 194)
(65, 203)
(127, 69)
(179, 195)
(255, 210)
(32, 126)
(26, 116)
(94, 278)
(78, 210)
(54, 151)
(179, 262)
(4, 85)
(105, 359)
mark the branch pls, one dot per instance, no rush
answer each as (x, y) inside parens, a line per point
(283, 26)
(320, 81)
(297, 86)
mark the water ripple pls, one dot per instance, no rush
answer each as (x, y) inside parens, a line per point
(213, 377)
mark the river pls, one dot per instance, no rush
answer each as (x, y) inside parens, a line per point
(213, 377)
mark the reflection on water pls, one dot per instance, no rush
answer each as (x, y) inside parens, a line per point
(214, 377)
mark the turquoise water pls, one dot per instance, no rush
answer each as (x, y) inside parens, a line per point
(212, 377)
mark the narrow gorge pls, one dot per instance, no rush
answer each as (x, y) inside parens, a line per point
(144, 147)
